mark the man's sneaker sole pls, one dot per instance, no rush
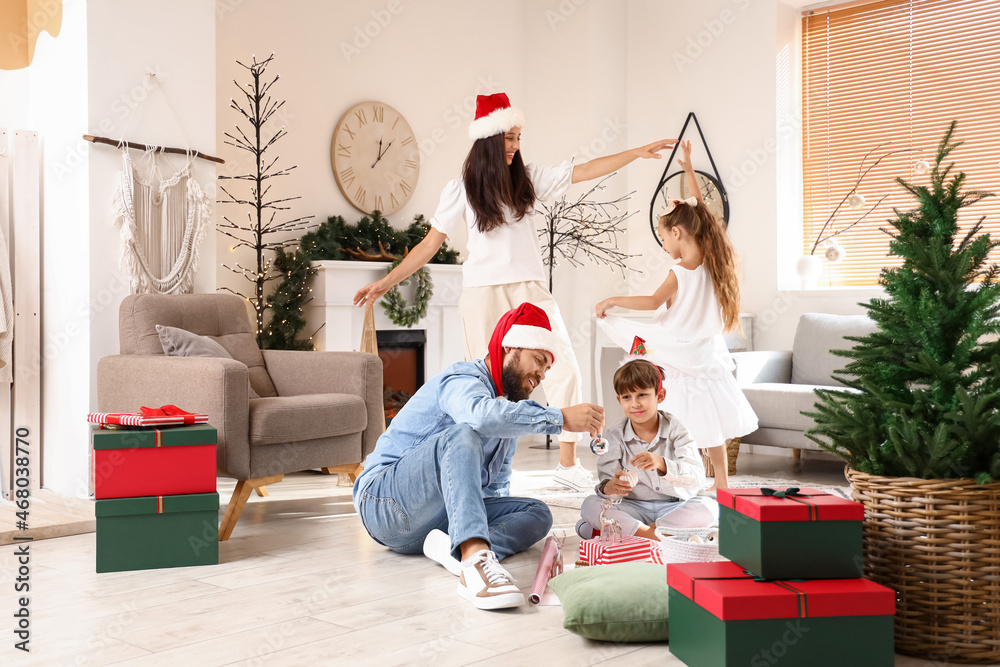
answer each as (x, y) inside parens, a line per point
(503, 601)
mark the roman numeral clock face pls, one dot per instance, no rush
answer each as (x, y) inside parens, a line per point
(375, 158)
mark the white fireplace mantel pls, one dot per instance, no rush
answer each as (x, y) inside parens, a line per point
(335, 285)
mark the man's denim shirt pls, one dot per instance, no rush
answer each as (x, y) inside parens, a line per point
(463, 393)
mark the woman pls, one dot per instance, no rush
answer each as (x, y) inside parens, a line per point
(495, 201)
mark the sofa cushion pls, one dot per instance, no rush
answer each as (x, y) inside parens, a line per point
(816, 335)
(180, 343)
(780, 405)
(281, 419)
(223, 317)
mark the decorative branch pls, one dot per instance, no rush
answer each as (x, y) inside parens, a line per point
(258, 109)
(586, 226)
(862, 172)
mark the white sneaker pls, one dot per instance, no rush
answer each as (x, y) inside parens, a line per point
(486, 584)
(575, 477)
(437, 547)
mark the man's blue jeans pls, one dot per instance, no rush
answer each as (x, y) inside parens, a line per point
(437, 484)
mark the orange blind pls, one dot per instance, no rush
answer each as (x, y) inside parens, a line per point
(895, 73)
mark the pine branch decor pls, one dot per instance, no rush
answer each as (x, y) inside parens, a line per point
(927, 403)
(335, 239)
(584, 225)
(257, 107)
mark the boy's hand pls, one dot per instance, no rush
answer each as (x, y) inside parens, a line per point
(584, 417)
(649, 461)
(619, 485)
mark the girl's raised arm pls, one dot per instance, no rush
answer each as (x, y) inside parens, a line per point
(663, 294)
(685, 162)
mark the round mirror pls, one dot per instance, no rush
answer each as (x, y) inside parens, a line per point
(677, 186)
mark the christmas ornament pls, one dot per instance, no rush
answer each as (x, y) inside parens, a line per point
(599, 445)
(856, 201)
(921, 166)
(834, 253)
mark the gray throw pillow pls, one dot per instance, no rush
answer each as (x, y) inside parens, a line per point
(181, 343)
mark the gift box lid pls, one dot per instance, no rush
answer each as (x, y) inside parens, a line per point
(178, 436)
(187, 502)
(727, 591)
(792, 504)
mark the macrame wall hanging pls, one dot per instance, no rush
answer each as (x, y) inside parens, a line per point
(163, 217)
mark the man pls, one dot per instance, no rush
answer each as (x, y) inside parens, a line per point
(439, 477)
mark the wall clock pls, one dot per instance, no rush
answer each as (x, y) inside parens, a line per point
(674, 185)
(375, 158)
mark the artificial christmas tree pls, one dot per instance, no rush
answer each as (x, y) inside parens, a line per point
(929, 380)
(921, 435)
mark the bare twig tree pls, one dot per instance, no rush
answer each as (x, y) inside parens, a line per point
(258, 107)
(585, 226)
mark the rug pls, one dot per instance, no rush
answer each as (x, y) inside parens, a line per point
(539, 485)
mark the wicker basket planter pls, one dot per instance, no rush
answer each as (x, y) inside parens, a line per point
(732, 451)
(937, 544)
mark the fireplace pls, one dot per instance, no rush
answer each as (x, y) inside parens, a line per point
(402, 352)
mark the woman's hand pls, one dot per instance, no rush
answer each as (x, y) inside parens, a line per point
(370, 293)
(653, 150)
(602, 308)
(685, 160)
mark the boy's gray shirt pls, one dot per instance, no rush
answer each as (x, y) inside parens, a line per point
(685, 469)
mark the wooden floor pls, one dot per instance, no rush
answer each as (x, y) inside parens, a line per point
(301, 583)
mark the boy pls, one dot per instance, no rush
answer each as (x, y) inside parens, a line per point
(651, 445)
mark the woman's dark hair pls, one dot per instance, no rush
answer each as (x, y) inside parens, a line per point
(490, 184)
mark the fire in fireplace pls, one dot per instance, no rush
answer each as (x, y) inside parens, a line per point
(402, 353)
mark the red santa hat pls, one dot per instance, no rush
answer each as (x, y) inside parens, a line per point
(494, 115)
(525, 327)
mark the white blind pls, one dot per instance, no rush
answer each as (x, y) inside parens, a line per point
(895, 73)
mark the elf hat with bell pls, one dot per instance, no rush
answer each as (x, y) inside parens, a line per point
(525, 327)
(494, 115)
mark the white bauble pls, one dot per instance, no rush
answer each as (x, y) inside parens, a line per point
(835, 253)
(856, 201)
(921, 166)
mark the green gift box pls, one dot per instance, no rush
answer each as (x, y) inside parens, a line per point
(721, 616)
(791, 534)
(157, 531)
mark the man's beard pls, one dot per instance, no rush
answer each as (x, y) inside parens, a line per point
(513, 383)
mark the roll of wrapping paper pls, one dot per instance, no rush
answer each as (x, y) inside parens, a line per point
(550, 552)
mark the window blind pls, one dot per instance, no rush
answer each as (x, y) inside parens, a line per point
(895, 73)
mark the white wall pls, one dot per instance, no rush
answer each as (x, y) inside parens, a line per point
(592, 78)
(86, 81)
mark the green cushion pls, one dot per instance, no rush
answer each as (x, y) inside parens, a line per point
(623, 602)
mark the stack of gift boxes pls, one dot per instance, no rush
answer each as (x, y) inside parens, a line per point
(157, 504)
(792, 592)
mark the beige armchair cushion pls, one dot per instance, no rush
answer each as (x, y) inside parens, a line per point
(282, 419)
(223, 320)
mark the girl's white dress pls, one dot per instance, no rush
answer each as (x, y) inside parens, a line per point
(686, 340)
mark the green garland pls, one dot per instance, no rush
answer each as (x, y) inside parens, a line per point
(371, 234)
(395, 305)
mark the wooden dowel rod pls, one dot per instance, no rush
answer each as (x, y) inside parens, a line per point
(158, 149)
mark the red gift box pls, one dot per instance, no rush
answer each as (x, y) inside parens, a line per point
(630, 548)
(791, 533)
(806, 505)
(154, 462)
(728, 592)
(720, 615)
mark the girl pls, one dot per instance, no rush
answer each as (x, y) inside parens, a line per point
(494, 203)
(699, 300)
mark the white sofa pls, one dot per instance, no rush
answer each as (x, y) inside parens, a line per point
(780, 385)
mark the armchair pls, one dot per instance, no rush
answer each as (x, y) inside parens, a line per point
(316, 409)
